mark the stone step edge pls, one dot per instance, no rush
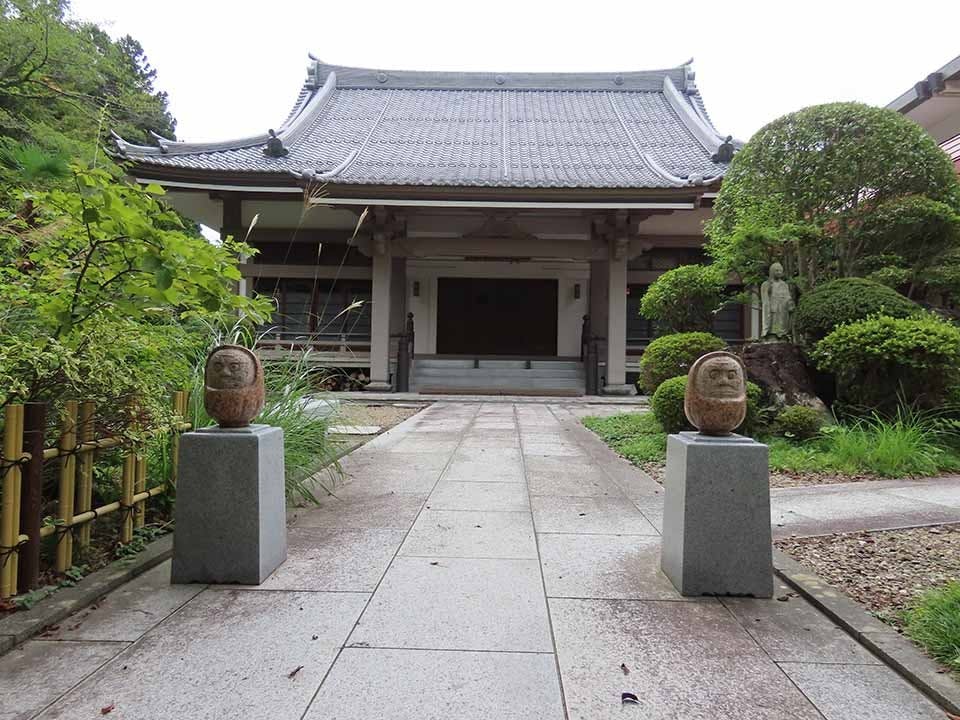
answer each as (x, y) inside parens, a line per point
(896, 651)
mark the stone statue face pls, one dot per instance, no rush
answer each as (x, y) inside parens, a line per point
(776, 271)
(229, 369)
(720, 377)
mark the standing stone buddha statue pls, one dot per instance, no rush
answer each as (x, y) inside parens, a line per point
(777, 306)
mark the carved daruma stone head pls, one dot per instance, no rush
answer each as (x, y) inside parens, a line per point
(715, 401)
(233, 386)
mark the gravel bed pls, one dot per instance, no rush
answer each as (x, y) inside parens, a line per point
(382, 415)
(885, 570)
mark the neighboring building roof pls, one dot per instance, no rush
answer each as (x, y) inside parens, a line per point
(934, 102)
(526, 130)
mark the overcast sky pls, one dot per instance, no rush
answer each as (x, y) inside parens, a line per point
(234, 68)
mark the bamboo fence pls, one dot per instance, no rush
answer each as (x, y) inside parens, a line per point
(21, 471)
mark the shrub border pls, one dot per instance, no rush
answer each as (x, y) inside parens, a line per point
(895, 650)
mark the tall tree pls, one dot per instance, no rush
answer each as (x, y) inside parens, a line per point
(804, 186)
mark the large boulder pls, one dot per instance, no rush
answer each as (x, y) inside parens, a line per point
(779, 368)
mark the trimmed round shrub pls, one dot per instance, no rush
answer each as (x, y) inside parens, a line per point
(686, 298)
(847, 300)
(882, 362)
(798, 422)
(667, 406)
(672, 355)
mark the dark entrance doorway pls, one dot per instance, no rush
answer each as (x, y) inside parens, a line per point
(496, 316)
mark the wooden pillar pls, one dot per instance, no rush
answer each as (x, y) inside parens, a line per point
(599, 280)
(619, 251)
(380, 314)
(31, 495)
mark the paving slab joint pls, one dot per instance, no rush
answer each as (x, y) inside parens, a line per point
(21, 626)
(896, 651)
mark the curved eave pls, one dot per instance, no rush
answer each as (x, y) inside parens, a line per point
(286, 183)
(289, 132)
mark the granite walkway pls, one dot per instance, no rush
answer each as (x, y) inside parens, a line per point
(483, 561)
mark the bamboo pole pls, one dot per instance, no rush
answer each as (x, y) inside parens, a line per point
(179, 410)
(68, 476)
(10, 511)
(104, 510)
(140, 485)
(85, 471)
(17, 494)
(31, 495)
(126, 496)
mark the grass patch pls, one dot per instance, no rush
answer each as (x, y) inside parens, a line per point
(638, 437)
(909, 444)
(934, 622)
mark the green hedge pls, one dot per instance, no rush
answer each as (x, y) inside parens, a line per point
(847, 300)
(672, 355)
(798, 422)
(883, 360)
(686, 298)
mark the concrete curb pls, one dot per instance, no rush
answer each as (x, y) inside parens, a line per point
(886, 643)
(21, 626)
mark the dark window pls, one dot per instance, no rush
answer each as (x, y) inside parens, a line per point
(318, 308)
(640, 331)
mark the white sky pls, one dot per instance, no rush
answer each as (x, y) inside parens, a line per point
(235, 68)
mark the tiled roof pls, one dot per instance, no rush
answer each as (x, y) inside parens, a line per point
(355, 126)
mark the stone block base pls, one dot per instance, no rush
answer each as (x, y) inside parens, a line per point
(230, 515)
(716, 516)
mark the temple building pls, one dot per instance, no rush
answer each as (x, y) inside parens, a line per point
(934, 103)
(508, 223)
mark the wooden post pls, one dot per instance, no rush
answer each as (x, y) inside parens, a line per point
(31, 495)
(126, 496)
(68, 477)
(85, 471)
(10, 511)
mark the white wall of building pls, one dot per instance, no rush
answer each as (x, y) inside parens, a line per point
(570, 310)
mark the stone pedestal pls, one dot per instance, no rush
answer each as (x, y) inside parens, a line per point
(230, 514)
(716, 517)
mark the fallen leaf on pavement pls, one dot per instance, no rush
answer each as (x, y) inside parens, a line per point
(293, 673)
(108, 709)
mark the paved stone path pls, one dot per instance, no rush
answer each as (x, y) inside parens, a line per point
(483, 561)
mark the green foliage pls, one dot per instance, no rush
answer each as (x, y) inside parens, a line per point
(878, 359)
(105, 295)
(667, 405)
(672, 355)
(142, 537)
(934, 622)
(685, 299)
(906, 238)
(64, 84)
(844, 301)
(798, 422)
(805, 183)
(638, 437)
(907, 443)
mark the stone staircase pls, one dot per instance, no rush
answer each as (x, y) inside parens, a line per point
(469, 376)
